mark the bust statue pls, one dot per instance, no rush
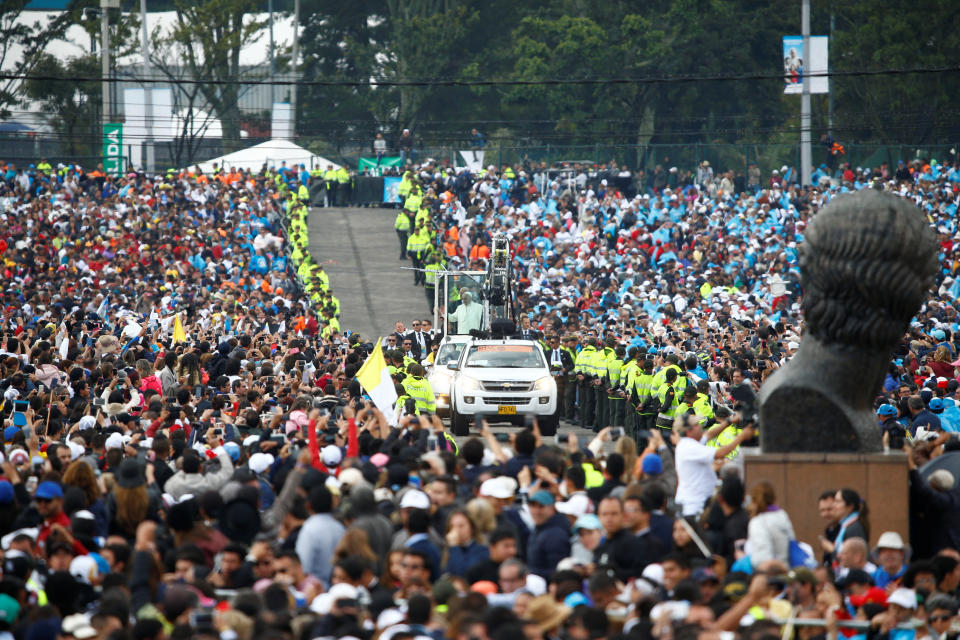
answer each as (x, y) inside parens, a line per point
(866, 263)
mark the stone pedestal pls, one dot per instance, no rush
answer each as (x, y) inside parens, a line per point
(799, 478)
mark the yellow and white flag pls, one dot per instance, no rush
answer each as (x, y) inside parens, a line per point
(376, 381)
(179, 335)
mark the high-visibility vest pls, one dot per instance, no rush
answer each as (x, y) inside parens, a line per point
(343, 176)
(330, 176)
(430, 273)
(643, 387)
(614, 366)
(660, 378)
(420, 390)
(667, 411)
(583, 364)
(402, 223)
(628, 375)
(412, 203)
(418, 242)
(726, 436)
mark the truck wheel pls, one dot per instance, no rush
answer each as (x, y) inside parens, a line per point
(459, 424)
(548, 425)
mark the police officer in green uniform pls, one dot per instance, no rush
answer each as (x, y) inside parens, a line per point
(402, 226)
(586, 374)
(433, 263)
(668, 400)
(615, 395)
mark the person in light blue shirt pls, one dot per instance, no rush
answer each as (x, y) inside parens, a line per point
(319, 536)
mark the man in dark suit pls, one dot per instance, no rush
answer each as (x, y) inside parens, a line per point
(561, 365)
(420, 339)
(526, 331)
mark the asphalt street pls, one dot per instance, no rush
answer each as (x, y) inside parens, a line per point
(358, 249)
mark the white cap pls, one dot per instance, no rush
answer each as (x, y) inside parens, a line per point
(324, 602)
(577, 505)
(331, 455)
(906, 598)
(793, 345)
(19, 456)
(350, 477)
(87, 422)
(890, 540)
(249, 440)
(84, 569)
(500, 487)
(114, 441)
(76, 450)
(260, 462)
(415, 499)
(390, 617)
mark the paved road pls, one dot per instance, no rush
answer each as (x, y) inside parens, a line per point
(358, 248)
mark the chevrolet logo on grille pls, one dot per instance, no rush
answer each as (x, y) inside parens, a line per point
(507, 385)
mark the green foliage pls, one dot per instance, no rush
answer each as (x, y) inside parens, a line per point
(71, 109)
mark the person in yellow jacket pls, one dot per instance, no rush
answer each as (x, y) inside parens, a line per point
(615, 395)
(600, 361)
(628, 378)
(433, 263)
(330, 185)
(343, 187)
(418, 388)
(586, 374)
(402, 226)
(668, 398)
(643, 396)
(417, 245)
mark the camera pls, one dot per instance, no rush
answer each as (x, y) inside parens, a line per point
(745, 401)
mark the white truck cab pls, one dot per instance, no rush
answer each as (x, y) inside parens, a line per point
(502, 380)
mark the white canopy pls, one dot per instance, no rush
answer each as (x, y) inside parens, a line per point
(271, 152)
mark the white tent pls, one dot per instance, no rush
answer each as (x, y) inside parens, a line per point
(271, 152)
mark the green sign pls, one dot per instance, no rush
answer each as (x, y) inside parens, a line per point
(376, 168)
(113, 148)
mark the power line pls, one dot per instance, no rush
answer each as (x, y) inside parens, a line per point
(652, 80)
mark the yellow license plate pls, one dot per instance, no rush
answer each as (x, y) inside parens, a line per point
(507, 410)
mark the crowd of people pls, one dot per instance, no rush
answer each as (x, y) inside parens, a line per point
(187, 451)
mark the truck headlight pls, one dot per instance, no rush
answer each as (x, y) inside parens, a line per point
(470, 384)
(545, 383)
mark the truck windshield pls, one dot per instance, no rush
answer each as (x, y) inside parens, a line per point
(504, 356)
(449, 352)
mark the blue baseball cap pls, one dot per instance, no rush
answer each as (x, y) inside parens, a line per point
(652, 464)
(936, 405)
(543, 497)
(49, 490)
(9, 433)
(887, 410)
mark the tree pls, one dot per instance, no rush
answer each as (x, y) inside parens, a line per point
(71, 108)
(210, 34)
(897, 107)
(22, 45)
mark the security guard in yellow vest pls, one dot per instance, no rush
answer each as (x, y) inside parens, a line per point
(402, 226)
(330, 185)
(615, 397)
(418, 388)
(405, 183)
(586, 374)
(601, 361)
(343, 187)
(628, 378)
(413, 202)
(687, 405)
(433, 263)
(667, 396)
(417, 245)
(644, 395)
(303, 194)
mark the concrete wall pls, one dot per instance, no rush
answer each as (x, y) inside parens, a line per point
(799, 478)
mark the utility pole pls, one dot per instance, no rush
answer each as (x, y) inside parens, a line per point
(273, 69)
(806, 156)
(149, 161)
(830, 93)
(105, 56)
(293, 68)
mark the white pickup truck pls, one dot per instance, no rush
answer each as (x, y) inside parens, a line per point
(503, 380)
